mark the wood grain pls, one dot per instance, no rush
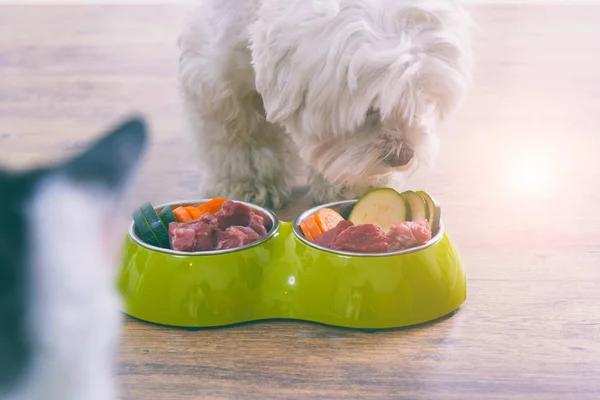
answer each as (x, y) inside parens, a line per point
(531, 326)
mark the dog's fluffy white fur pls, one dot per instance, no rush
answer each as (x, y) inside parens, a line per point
(355, 88)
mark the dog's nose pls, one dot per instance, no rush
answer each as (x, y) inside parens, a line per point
(400, 158)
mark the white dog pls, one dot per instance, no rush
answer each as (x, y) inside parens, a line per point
(359, 86)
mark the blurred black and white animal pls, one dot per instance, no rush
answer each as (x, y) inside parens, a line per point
(60, 236)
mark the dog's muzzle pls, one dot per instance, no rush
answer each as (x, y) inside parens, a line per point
(399, 159)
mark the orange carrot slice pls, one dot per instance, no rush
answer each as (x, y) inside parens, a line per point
(212, 206)
(216, 204)
(312, 227)
(182, 214)
(327, 219)
(202, 209)
(193, 211)
(306, 232)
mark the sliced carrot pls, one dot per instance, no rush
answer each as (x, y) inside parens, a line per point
(202, 209)
(327, 219)
(312, 226)
(306, 232)
(193, 211)
(215, 204)
(212, 206)
(182, 214)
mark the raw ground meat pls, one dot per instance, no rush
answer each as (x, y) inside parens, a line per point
(408, 234)
(183, 238)
(236, 236)
(202, 228)
(233, 226)
(234, 214)
(205, 228)
(368, 238)
(364, 238)
(258, 224)
(327, 238)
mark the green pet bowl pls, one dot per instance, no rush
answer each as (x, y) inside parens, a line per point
(285, 276)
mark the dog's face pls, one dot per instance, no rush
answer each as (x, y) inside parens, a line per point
(360, 85)
(352, 141)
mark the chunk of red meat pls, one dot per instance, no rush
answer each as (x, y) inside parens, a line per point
(183, 237)
(408, 234)
(233, 213)
(364, 238)
(205, 227)
(257, 223)
(195, 235)
(236, 236)
(421, 231)
(327, 238)
(233, 226)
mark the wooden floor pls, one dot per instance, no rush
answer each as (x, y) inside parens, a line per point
(518, 179)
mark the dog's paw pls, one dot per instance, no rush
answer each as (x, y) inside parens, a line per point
(322, 191)
(262, 194)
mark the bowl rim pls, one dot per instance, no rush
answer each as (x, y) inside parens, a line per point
(269, 235)
(296, 229)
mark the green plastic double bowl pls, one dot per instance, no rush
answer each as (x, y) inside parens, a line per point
(285, 276)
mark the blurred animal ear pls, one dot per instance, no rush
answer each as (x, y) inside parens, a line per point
(77, 207)
(110, 162)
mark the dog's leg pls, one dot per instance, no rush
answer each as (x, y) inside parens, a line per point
(242, 159)
(241, 155)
